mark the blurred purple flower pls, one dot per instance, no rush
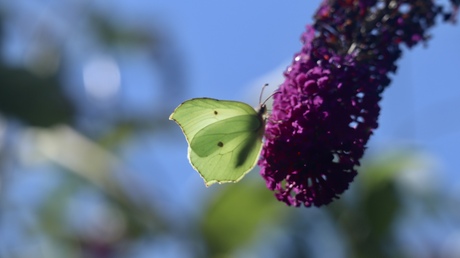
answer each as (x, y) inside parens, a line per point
(327, 106)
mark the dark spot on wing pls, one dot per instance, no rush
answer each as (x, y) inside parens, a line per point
(215, 112)
(220, 144)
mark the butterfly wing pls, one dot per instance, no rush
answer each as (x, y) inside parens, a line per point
(225, 137)
(195, 114)
(227, 150)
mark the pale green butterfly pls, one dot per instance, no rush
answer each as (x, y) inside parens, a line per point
(224, 137)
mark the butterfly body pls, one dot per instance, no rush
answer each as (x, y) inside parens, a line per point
(224, 137)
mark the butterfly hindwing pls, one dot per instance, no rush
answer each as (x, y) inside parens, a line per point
(224, 135)
(227, 150)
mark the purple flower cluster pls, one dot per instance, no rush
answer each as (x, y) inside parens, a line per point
(328, 105)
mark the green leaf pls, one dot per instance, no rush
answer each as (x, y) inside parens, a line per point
(37, 101)
(236, 214)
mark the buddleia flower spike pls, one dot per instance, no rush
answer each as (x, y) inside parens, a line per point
(328, 105)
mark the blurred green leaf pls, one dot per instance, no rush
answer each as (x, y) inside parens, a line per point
(381, 207)
(37, 101)
(377, 171)
(367, 218)
(52, 211)
(236, 214)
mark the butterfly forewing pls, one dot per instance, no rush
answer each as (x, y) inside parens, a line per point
(195, 114)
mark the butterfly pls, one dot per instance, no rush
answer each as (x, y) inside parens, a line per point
(224, 137)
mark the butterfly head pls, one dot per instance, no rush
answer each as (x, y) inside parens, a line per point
(262, 110)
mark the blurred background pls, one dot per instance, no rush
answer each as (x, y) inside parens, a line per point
(90, 165)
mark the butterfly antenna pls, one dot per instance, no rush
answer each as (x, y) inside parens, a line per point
(271, 95)
(262, 92)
